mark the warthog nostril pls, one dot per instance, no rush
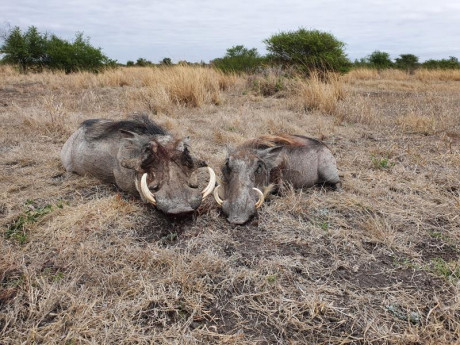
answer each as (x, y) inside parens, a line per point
(181, 210)
(239, 220)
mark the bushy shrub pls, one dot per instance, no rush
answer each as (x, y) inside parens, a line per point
(379, 60)
(141, 62)
(451, 63)
(26, 50)
(308, 50)
(33, 50)
(76, 56)
(407, 62)
(239, 59)
(166, 61)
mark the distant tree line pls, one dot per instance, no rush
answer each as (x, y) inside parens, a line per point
(300, 51)
(142, 62)
(408, 62)
(306, 50)
(32, 50)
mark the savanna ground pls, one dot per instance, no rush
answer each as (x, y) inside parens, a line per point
(377, 263)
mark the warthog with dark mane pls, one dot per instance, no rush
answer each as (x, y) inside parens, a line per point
(139, 157)
(260, 166)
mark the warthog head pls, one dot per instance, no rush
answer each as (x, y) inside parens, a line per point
(246, 182)
(267, 162)
(165, 171)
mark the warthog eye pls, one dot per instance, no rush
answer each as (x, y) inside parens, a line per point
(226, 168)
(260, 166)
(154, 188)
(187, 159)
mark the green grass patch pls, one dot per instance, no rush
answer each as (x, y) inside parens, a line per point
(53, 275)
(449, 270)
(382, 163)
(271, 278)
(18, 229)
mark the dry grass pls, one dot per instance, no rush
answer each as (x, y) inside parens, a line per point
(317, 93)
(378, 263)
(395, 74)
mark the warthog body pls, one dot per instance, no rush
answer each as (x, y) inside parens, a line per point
(139, 157)
(263, 164)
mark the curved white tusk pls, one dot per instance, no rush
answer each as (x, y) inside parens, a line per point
(138, 188)
(212, 183)
(261, 197)
(145, 191)
(216, 196)
(136, 183)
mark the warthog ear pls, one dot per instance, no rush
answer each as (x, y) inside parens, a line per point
(128, 134)
(186, 158)
(183, 144)
(270, 156)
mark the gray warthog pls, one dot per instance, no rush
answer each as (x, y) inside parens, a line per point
(139, 157)
(260, 166)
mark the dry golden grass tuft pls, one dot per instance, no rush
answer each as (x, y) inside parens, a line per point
(419, 124)
(427, 75)
(433, 75)
(318, 92)
(378, 263)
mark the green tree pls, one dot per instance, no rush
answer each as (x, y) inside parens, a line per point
(15, 49)
(76, 56)
(143, 62)
(36, 50)
(407, 62)
(451, 63)
(308, 50)
(129, 63)
(166, 61)
(239, 59)
(59, 54)
(380, 60)
(87, 57)
(362, 62)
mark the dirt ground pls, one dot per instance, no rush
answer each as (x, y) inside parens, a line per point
(377, 263)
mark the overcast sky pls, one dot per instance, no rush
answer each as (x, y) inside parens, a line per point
(204, 29)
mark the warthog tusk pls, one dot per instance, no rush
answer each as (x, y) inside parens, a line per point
(145, 191)
(136, 183)
(212, 183)
(261, 197)
(216, 196)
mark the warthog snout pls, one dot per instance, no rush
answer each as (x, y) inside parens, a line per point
(175, 198)
(240, 208)
(188, 200)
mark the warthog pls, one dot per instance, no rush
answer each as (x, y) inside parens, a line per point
(260, 166)
(139, 157)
